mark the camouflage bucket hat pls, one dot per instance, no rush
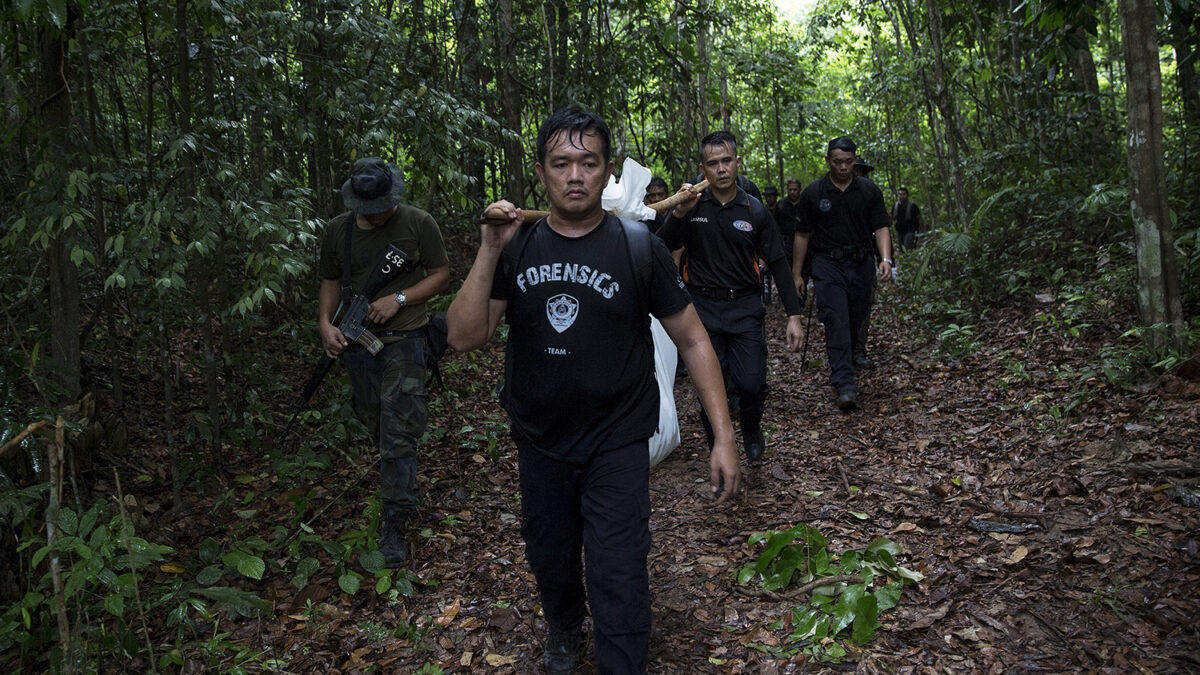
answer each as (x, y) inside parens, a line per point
(374, 186)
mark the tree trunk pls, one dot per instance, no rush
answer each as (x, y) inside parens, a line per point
(469, 52)
(945, 102)
(1158, 281)
(54, 106)
(510, 104)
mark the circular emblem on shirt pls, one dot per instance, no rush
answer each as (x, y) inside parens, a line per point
(743, 226)
(561, 310)
(825, 205)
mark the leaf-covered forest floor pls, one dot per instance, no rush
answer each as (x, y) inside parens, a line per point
(1097, 570)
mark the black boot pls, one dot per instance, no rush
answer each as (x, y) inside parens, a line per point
(393, 539)
(562, 651)
(752, 435)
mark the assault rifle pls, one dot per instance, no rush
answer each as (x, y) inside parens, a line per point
(350, 319)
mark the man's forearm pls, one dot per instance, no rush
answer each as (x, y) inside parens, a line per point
(468, 319)
(705, 373)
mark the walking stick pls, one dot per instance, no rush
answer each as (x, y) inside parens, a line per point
(529, 215)
(807, 326)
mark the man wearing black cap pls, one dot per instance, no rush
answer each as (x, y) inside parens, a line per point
(388, 388)
(724, 233)
(842, 219)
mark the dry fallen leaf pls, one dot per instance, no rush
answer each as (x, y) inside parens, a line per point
(448, 615)
(1018, 555)
(496, 660)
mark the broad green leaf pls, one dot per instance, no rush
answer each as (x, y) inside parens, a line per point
(114, 604)
(882, 544)
(252, 566)
(209, 575)
(372, 561)
(89, 520)
(68, 521)
(209, 550)
(383, 584)
(349, 582)
(39, 555)
(866, 619)
(889, 596)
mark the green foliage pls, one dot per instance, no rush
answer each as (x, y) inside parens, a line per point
(799, 555)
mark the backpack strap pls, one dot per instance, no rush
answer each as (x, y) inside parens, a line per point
(641, 258)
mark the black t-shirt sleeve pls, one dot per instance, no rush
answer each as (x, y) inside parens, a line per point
(502, 277)
(668, 295)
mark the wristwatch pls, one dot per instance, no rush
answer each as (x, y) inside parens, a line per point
(886, 260)
(401, 298)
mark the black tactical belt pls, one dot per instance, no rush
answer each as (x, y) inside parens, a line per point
(723, 293)
(854, 253)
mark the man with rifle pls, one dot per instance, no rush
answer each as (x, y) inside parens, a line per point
(359, 249)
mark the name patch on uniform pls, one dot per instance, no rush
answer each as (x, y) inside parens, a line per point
(825, 206)
(743, 226)
(699, 219)
(561, 310)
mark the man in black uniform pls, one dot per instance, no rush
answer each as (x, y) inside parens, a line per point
(580, 389)
(724, 233)
(786, 214)
(388, 389)
(842, 219)
(907, 216)
(656, 191)
(770, 200)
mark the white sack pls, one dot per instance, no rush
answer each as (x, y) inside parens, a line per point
(625, 198)
(666, 356)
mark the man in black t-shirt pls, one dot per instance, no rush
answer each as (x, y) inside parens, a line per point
(724, 233)
(580, 388)
(842, 220)
(907, 217)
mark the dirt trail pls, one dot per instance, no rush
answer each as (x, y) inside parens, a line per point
(1103, 574)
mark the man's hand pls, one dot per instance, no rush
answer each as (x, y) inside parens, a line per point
(726, 473)
(885, 271)
(383, 309)
(795, 333)
(498, 236)
(686, 205)
(332, 339)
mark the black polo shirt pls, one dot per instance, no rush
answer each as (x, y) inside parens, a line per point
(841, 219)
(724, 243)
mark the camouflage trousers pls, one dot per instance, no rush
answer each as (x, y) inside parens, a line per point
(389, 398)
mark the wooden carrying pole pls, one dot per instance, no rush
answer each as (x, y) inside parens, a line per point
(496, 217)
